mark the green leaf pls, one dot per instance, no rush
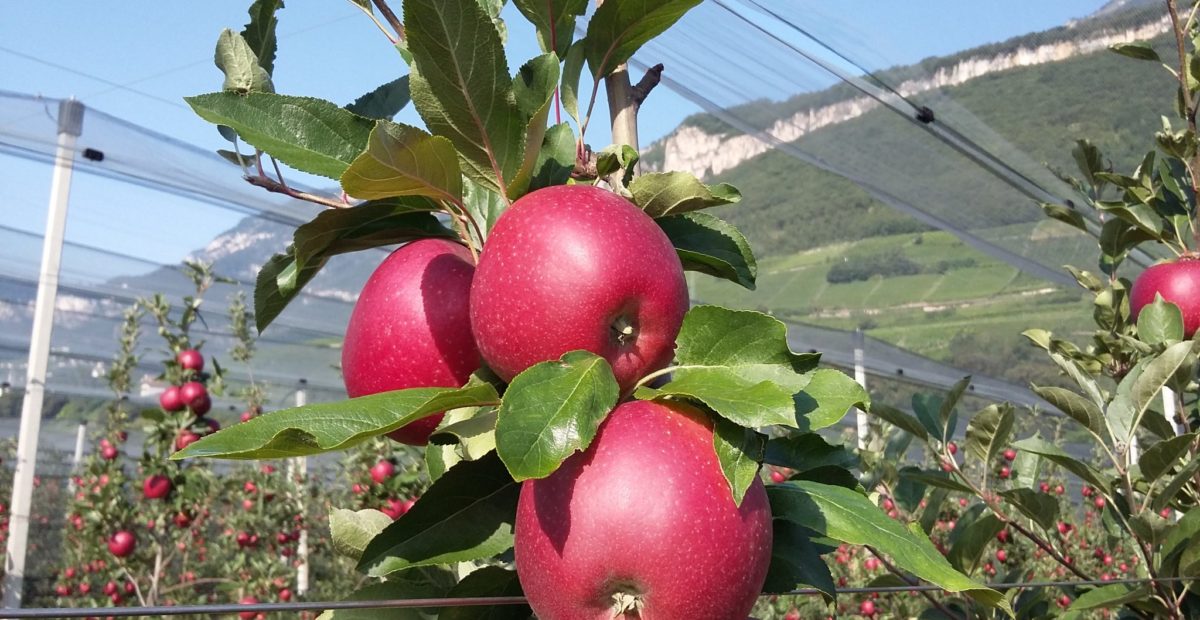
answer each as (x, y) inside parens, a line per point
(899, 419)
(351, 531)
(404, 161)
(440, 458)
(1117, 237)
(1164, 455)
(237, 61)
(572, 67)
(968, 548)
(325, 427)
(1137, 49)
(533, 90)
(1040, 507)
(1075, 406)
(1160, 322)
(259, 33)
(1065, 214)
(738, 364)
(938, 479)
(827, 398)
(946, 412)
(1182, 537)
(927, 407)
(475, 433)
(484, 206)
(1157, 374)
(466, 515)
(556, 159)
(337, 231)
(620, 27)
(847, 516)
(552, 410)
(461, 88)
(310, 135)
(554, 21)
(739, 452)
(671, 193)
(406, 587)
(384, 102)
(796, 562)
(805, 451)
(710, 245)
(1113, 595)
(487, 582)
(1169, 492)
(1056, 455)
(989, 430)
(1086, 279)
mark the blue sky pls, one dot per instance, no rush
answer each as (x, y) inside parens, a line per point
(137, 59)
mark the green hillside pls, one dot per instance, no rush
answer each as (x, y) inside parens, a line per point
(832, 255)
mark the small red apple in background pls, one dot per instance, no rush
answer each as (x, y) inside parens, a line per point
(108, 452)
(1100, 502)
(246, 416)
(411, 327)
(1010, 455)
(122, 543)
(182, 520)
(792, 614)
(1178, 282)
(381, 471)
(577, 267)
(871, 563)
(190, 359)
(170, 400)
(248, 615)
(952, 448)
(202, 405)
(1001, 556)
(1005, 472)
(156, 487)
(193, 393)
(599, 529)
(867, 608)
(777, 476)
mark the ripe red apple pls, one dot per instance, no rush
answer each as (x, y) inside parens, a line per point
(248, 615)
(600, 533)
(411, 327)
(156, 487)
(193, 393)
(108, 453)
(202, 405)
(182, 520)
(1001, 556)
(577, 267)
(867, 608)
(122, 543)
(190, 359)
(1178, 282)
(170, 400)
(381, 471)
(185, 439)
(1010, 455)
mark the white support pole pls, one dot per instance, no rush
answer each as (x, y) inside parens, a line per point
(860, 376)
(80, 436)
(302, 475)
(1170, 412)
(70, 125)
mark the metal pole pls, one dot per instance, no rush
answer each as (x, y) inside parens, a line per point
(1169, 410)
(302, 480)
(860, 376)
(70, 125)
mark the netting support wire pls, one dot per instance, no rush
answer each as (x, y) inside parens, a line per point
(860, 375)
(435, 603)
(70, 126)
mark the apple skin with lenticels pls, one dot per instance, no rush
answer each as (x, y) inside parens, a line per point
(643, 519)
(1178, 282)
(578, 267)
(411, 327)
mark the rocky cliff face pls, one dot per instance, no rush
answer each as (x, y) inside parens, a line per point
(694, 150)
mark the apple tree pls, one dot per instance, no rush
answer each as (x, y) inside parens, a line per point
(535, 334)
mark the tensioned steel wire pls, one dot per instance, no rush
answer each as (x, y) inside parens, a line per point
(431, 603)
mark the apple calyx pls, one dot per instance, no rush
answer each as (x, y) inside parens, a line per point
(627, 602)
(624, 331)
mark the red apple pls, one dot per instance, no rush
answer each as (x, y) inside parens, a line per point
(185, 439)
(190, 359)
(192, 393)
(122, 543)
(642, 517)
(170, 400)
(867, 608)
(202, 405)
(577, 267)
(156, 487)
(182, 520)
(381, 471)
(248, 615)
(108, 453)
(1178, 282)
(1001, 556)
(1010, 455)
(411, 327)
